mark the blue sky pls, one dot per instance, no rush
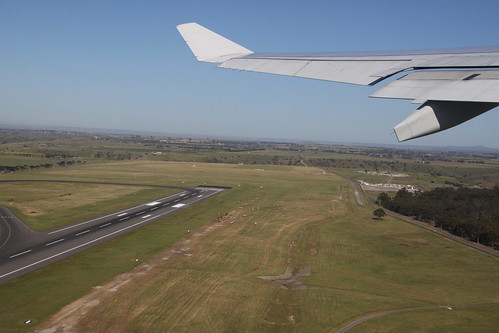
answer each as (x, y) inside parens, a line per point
(123, 65)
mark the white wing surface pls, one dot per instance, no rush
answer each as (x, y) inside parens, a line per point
(208, 46)
(453, 85)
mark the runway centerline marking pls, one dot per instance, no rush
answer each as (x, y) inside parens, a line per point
(76, 247)
(178, 205)
(101, 217)
(57, 241)
(123, 214)
(20, 254)
(83, 232)
(144, 219)
(123, 219)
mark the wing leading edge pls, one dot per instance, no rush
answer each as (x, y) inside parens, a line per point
(453, 85)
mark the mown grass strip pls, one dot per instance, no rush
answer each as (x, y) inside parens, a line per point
(45, 206)
(41, 293)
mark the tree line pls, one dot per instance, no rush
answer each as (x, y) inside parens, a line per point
(470, 213)
(9, 169)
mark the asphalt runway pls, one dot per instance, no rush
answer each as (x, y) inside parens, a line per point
(23, 250)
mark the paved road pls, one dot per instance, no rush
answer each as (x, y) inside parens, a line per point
(23, 250)
(355, 189)
(376, 315)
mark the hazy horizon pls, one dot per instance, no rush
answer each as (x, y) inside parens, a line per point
(221, 137)
(122, 64)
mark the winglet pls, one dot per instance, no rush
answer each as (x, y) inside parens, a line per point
(208, 46)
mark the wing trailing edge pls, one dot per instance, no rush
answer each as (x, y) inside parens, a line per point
(453, 85)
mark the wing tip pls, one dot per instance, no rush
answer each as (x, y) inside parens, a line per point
(209, 46)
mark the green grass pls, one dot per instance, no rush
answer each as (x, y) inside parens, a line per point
(12, 160)
(359, 265)
(476, 319)
(371, 266)
(39, 294)
(45, 206)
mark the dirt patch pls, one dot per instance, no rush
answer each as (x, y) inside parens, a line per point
(412, 242)
(69, 316)
(313, 252)
(288, 280)
(115, 297)
(332, 207)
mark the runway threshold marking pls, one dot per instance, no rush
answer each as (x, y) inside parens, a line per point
(20, 254)
(57, 241)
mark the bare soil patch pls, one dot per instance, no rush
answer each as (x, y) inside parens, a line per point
(412, 242)
(288, 280)
(67, 319)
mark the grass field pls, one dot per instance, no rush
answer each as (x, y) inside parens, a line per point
(45, 206)
(285, 217)
(478, 319)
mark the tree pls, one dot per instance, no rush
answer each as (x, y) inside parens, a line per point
(383, 200)
(379, 213)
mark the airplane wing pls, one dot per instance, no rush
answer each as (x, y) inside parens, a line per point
(452, 85)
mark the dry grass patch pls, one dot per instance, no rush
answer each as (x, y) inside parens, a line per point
(412, 242)
(36, 199)
(208, 281)
(47, 205)
(282, 218)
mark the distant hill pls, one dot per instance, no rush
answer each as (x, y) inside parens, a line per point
(481, 149)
